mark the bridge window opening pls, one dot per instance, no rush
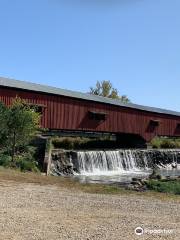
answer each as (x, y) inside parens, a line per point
(152, 125)
(98, 116)
(154, 122)
(37, 107)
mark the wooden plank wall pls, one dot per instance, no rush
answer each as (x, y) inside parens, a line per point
(65, 113)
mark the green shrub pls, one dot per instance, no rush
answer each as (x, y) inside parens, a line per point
(177, 142)
(26, 162)
(24, 165)
(168, 143)
(82, 143)
(158, 142)
(5, 160)
(67, 142)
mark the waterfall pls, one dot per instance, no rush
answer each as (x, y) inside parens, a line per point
(103, 162)
(113, 162)
(123, 161)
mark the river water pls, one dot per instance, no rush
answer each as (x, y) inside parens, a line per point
(120, 166)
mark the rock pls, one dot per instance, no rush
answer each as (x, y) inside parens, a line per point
(61, 164)
(174, 165)
(144, 181)
(43, 174)
(136, 183)
(70, 165)
(155, 175)
(136, 179)
(138, 188)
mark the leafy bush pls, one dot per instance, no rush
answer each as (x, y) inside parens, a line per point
(165, 143)
(25, 164)
(82, 143)
(24, 161)
(156, 142)
(69, 142)
(5, 160)
(168, 143)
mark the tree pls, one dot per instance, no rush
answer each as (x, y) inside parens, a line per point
(3, 124)
(20, 122)
(105, 89)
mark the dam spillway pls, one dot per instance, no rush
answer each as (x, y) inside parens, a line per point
(108, 162)
(112, 162)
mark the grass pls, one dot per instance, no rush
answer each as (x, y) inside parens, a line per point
(171, 186)
(64, 182)
(68, 183)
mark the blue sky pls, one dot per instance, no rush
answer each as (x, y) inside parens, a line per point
(73, 43)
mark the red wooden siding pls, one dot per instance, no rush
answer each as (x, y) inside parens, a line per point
(66, 113)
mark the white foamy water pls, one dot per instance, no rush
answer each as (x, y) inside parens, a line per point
(120, 165)
(110, 162)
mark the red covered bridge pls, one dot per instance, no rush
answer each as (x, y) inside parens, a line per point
(65, 110)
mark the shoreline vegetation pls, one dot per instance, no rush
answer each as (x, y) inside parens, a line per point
(164, 186)
(165, 142)
(75, 143)
(163, 189)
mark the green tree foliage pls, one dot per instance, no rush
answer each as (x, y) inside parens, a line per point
(106, 89)
(19, 123)
(3, 124)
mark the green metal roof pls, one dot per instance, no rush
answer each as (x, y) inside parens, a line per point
(7, 82)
